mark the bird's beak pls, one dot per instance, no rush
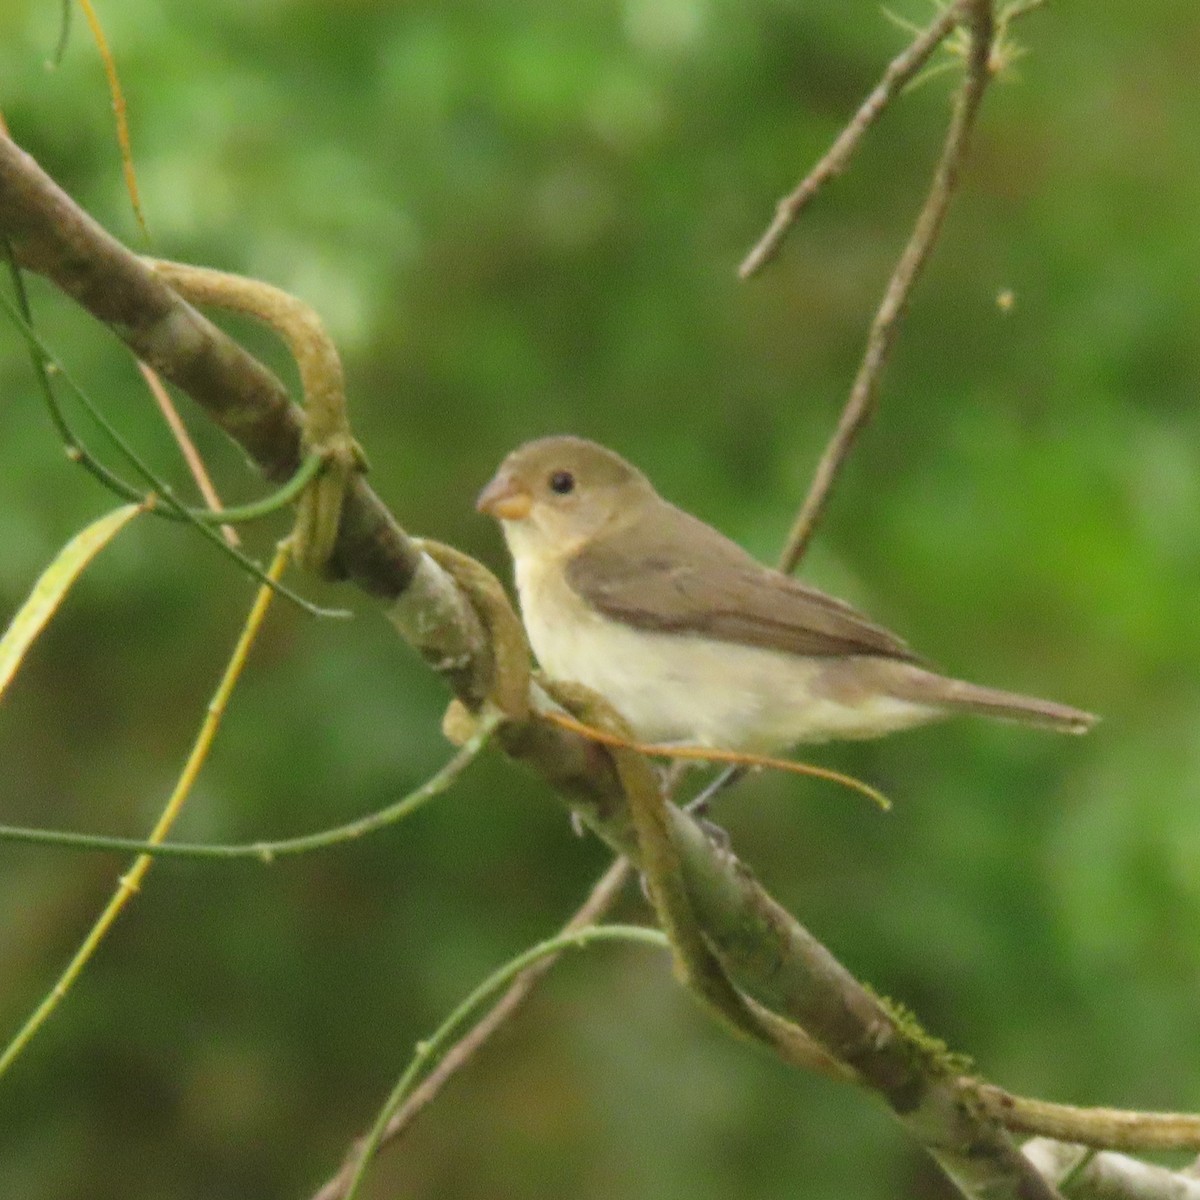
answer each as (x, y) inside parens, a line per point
(505, 499)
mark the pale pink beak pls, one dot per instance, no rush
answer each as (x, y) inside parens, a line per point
(505, 499)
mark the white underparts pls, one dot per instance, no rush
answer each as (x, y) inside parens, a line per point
(687, 688)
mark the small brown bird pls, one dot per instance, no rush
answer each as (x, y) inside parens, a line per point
(689, 637)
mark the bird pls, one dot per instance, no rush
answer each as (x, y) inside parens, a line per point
(689, 637)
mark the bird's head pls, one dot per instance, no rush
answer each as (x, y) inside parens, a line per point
(553, 495)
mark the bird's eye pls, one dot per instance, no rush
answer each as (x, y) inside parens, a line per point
(562, 483)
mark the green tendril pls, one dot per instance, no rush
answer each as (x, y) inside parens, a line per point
(164, 494)
(267, 852)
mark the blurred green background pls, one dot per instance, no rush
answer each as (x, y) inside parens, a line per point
(525, 218)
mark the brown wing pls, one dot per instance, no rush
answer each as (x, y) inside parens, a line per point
(685, 577)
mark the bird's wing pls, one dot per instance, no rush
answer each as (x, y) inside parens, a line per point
(710, 586)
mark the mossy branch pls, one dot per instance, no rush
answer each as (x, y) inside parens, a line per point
(454, 614)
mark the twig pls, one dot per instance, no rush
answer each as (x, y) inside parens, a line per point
(64, 35)
(74, 449)
(130, 883)
(265, 852)
(118, 104)
(1020, 8)
(713, 754)
(187, 447)
(603, 896)
(161, 490)
(766, 952)
(900, 70)
(658, 856)
(1084, 1175)
(890, 1054)
(326, 421)
(430, 1049)
(860, 406)
(1104, 1128)
(53, 237)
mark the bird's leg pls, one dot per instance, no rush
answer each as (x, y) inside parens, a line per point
(698, 804)
(671, 776)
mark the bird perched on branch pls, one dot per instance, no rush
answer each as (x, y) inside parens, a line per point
(689, 637)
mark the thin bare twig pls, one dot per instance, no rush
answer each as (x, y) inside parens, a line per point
(899, 72)
(187, 447)
(860, 406)
(603, 896)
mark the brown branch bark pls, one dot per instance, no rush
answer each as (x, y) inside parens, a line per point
(51, 236)
(778, 963)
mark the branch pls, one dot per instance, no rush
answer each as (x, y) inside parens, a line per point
(470, 635)
(1083, 1175)
(837, 158)
(456, 614)
(596, 906)
(1100, 1128)
(265, 853)
(187, 448)
(429, 1050)
(860, 407)
(779, 964)
(51, 236)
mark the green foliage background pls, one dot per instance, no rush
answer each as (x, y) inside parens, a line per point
(525, 218)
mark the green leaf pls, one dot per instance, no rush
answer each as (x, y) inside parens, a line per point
(54, 584)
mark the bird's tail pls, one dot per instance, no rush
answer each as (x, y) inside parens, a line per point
(956, 695)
